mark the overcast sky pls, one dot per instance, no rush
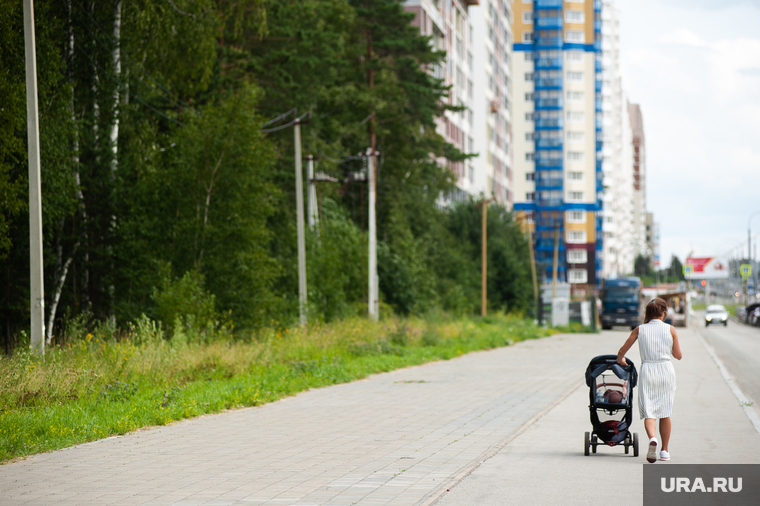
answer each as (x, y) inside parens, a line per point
(694, 67)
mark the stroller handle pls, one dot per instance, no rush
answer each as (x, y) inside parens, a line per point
(610, 385)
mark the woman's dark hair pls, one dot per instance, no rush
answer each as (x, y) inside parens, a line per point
(655, 309)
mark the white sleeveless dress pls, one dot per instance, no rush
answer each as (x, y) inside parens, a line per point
(657, 378)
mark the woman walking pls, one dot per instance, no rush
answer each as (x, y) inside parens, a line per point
(657, 378)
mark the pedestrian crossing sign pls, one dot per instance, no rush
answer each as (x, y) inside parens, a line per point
(688, 270)
(745, 270)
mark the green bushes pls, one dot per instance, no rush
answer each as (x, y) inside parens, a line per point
(95, 386)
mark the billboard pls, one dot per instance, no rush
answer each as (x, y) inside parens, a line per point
(706, 268)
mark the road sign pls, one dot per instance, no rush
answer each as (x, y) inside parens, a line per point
(688, 270)
(745, 270)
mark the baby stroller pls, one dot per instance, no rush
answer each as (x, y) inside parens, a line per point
(611, 391)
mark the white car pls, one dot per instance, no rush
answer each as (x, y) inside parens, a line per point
(716, 314)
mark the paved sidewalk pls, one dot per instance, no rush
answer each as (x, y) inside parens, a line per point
(394, 438)
(546, 465)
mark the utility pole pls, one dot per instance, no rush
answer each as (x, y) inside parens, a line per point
(372, 282)
(300, 226)
(533, 271)
(312, 203)
(37, 292)
(484, 256)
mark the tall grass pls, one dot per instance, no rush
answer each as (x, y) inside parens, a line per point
(97, 386)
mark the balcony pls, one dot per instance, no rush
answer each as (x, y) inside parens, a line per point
(549, 224)
(598, 105)
(598, 66)
(550, 4)
(549, 143)
(548, 83)
(549, 163)
(598, 86)
(599, 126)
(548, 183)
(552, 23)
(549, 124)
(549, 42)
(548, 63)
(597, 25)
(548, 103)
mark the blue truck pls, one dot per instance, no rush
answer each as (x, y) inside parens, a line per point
(621, 302)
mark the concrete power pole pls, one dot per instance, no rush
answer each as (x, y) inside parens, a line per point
(300, 227)
(373, 294)
(484, 256)
(312, 195)
(37, 299)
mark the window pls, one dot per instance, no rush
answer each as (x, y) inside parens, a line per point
(577, 276)
(575, 156)
(575, 96)
(528, 36)
(529, 136)
(575, 116)
(469, 89)
(529, 157)
(528, 56)
(575, 197)
(529, 97)
(528, 116)
(575, 175)
(574, 36)
(574, 56)
(471, 144)
(469, 116)
(577, 256)
(576, 236)
(469, 60)
(529, 76)
(530, 197)
(472, 174)
(528, 17)
(572, 16)
(574, 77)
(576, 217)
(530, 176)
(574, 136)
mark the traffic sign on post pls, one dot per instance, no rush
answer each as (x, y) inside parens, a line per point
(688, 270)
(745, 270)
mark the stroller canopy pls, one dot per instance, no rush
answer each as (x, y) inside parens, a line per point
(603, 363)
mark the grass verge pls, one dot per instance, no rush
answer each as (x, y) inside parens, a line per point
(95, 388)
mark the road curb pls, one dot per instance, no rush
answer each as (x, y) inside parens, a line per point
(743, 401)
(438, 493)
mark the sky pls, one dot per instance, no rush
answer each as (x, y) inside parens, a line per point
(694, 67)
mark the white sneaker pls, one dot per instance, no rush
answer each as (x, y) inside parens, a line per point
(664, 455)
(652, 453)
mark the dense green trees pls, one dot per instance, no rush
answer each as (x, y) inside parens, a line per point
(161, 192)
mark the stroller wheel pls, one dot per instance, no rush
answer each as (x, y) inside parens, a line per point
(594, 442)
(626, 445)
(635, 445)
(586, 443)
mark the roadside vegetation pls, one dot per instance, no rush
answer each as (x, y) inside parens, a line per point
(102, 383)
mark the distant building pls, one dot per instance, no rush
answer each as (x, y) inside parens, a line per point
(620, 237)
(640, 215)
(448, 24)
(557, 122)
(491, 127)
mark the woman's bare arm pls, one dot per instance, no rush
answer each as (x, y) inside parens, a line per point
(676, 345)
(627, 346)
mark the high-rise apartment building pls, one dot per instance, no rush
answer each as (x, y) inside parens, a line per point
(639, 176)
(448, 24)
(557, 125)
(620, 237)
(491, 127)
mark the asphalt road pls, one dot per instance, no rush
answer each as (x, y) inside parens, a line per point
(738, 347)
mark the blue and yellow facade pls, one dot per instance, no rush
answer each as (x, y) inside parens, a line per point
(557, 71)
